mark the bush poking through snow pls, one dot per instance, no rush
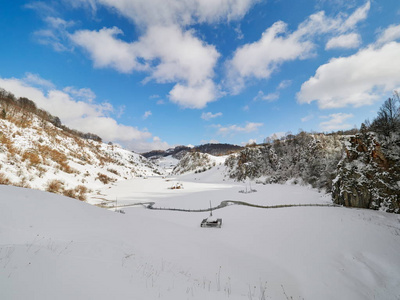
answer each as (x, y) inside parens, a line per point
(176, 186)
(104, 178)
(32, 157)
(3, 179)
(55, 186)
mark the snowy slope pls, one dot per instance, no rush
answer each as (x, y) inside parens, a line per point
(52, 247)
(198, 162)
(35, 156)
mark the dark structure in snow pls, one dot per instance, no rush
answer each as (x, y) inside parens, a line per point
(211, 221)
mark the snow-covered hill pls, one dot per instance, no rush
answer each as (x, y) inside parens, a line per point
(42, 156)
(54, 247)
(197, 162)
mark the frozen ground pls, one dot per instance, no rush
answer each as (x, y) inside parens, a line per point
(52, 247)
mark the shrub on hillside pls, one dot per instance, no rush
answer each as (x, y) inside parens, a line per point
(32, 157)
(104, 178)
(81, 192)
(3, 179)
(55, 186)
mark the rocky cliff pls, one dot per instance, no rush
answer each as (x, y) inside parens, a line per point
(368, 175)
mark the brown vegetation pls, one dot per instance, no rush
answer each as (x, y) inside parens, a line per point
(3, 179)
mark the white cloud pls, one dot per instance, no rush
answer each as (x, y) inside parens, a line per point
(167, 53)
(277, 45)
(284, 84)
(183, 13)
(357, 80)
(208, 115)
(336, 122)
(249, 142)
(106, 50)
(83, 116)
(36, 80)
(271, 97)
(141, 146)
(196, 96)
(261, 58)
(359, 15)
(83, 94)
(55, 34)
(234, 129)
(277, 135)
(392, 33)
(147, 114)
(346, 41)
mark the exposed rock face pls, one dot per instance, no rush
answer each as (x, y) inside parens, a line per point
(368, 175)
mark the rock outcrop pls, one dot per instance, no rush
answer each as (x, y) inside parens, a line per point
(368, 175)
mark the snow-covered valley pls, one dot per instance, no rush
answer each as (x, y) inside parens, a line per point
(277, 241)
(54, 247)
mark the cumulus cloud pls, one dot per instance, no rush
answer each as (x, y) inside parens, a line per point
(356, 80)
(166, 49)
(183, 13)
(277, 45)
(336, 122)
(196, 96)
(168, 54)
(261, 58)
(106, 50)
(209, 115)
(346, 41)
(234, 129)
(82, 115)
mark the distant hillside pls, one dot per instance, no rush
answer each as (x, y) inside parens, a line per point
(36, 151)
(197, 162)
(180, 151)
(307, 158)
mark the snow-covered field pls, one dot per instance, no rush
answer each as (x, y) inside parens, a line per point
(53, 247)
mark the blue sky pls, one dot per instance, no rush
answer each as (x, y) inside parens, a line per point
(151, 74)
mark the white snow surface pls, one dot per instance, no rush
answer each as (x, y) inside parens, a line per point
(86, 159)
(53, 247)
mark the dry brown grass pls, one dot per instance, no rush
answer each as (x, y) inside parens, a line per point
(4, 180)
(8, 144)
(104, 178)
(55, 186)
(81, 192)
(32, 157)
(113, 171)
